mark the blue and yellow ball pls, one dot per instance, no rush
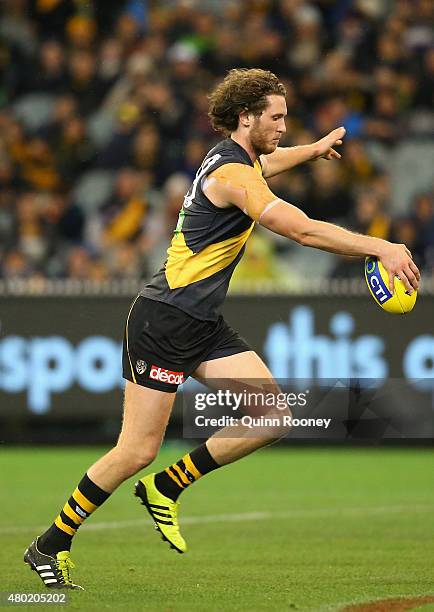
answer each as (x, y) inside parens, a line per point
(377, 280)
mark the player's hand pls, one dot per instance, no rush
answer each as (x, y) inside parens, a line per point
(398, 261)
(324, 147)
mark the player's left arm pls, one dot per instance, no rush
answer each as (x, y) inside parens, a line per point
(285, 158)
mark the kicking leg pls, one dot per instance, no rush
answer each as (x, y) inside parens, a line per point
(240, 371)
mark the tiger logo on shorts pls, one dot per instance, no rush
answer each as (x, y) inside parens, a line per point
(141, 366)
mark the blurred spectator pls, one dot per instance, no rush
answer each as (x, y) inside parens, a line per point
(305, 23)
(328, 199)
(185, 72)
(423, 219)
(73, 150)
(126, 261)
(146, 152)
(127, 30)
(385, 123)
(64, 227)
(358, 168)
(193, 154)
(29, 227)
(50, 16)
(110, 62)
(99, 271)
(84, 82)
(15, 265)
(17, 29)
(425, 84)
(292, 187)
(65, 107)
(117, 151)
(37, 168)
(164, 217)
(7, 212)
(258, 264)
(50, 76)
(79, 264)
(81, 31)
(368, 217)
(123, 215)
(404, 231)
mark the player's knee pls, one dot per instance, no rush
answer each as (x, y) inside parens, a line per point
(282, 425)
(135, 460)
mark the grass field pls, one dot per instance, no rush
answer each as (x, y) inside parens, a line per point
(283, 529)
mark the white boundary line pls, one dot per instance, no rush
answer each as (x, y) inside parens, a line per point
(238, 518)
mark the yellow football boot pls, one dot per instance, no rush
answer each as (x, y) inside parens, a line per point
(163, 510)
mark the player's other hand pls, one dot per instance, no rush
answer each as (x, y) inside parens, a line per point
(325, 147)
(398, 261)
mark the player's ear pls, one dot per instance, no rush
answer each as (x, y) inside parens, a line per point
(245, 118)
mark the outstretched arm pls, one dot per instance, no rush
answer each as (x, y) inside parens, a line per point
(285, 158)
(241, 185)
(289, 221)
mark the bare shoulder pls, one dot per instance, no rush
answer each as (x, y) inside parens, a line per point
(224, 186)
(241, 185)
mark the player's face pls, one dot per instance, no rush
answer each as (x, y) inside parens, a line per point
(268, 128)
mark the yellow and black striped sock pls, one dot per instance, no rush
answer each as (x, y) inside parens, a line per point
(86, 498)
(180, 475)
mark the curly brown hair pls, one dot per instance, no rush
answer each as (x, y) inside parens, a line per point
(242, 89)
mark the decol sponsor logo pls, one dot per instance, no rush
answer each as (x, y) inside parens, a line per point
(294, 350)
(167, 376)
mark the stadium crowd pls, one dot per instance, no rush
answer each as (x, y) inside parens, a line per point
(103, 124)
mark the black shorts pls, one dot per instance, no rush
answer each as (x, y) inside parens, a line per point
(163, 345)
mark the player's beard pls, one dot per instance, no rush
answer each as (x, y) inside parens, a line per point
(261, 139)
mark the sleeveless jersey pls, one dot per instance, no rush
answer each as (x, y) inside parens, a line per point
(207, 244)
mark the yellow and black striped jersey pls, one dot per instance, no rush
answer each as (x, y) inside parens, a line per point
(207, 243)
